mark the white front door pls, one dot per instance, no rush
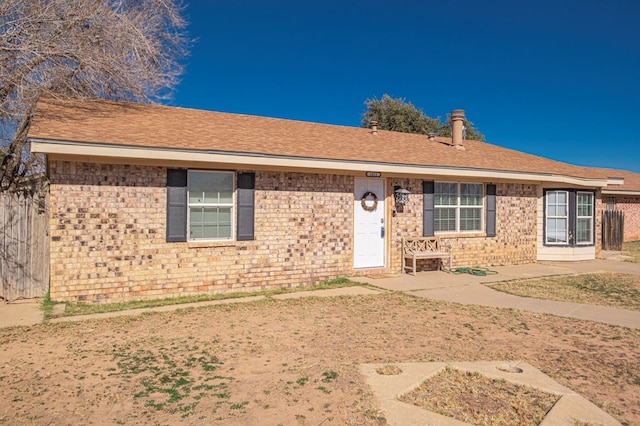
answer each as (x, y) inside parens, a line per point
(370, 224)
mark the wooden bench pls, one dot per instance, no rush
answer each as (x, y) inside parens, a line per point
(423, 248)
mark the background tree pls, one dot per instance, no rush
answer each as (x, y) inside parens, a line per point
(398, 115)
(112, 49)
(471, 132)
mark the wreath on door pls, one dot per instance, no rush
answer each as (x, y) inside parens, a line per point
(363, 201)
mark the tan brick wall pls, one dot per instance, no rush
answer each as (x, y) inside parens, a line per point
(631, 208)
(108, 236)
(407, 223)
(514, 243)
(600, 205)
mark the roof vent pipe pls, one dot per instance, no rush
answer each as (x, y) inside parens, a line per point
(374, 127)
(431, 136)
(457, 122)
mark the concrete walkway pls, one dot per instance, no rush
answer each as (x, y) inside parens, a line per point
(29, 312)
(21, 312)
(468, 289)
(463, 288)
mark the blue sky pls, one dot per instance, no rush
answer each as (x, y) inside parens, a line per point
(560, 79)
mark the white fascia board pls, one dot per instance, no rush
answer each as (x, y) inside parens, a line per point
(615, 181)
(45, 146)
(614, 192)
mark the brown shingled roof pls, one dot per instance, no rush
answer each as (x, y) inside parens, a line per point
(631, 180)
(154, 126)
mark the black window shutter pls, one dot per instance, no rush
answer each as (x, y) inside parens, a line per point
(491, 210)
(428, 188)
(246, 206)
(176, 205)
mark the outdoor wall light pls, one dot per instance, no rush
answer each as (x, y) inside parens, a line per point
(401, 196)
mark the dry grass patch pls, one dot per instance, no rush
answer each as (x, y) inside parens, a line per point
(632, 249)
(389, 370)
(476, 399)
(607, 289)
(82, 308)
(290, 362)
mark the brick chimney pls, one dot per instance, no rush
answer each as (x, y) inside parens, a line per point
(457, 120)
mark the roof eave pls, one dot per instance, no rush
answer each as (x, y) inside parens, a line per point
(73, 148)
(619, 192)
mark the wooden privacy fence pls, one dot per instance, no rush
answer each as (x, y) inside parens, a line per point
(24, 247)
(612, 230)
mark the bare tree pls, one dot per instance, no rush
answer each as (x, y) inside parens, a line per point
(112, 49)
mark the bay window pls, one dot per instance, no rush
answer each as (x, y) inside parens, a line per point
(584, 218)
(557, 217)
(569, 217)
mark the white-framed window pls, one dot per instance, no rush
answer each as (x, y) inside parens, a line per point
(557, 212)
(458, 207)
(210, 197)
(584, 217)
(569, 217)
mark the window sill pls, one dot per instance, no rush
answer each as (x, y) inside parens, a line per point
(461, 235)
(209, 244)
(568, 245)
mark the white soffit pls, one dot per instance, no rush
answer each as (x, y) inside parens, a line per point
(45, 146)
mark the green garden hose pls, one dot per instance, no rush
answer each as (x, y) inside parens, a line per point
(481, 272)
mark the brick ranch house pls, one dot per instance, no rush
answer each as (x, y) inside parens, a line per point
(152, 201)
(625, 198)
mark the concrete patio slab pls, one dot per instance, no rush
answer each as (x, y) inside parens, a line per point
(570, 408)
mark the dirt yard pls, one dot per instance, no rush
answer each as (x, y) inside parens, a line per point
(289, 362)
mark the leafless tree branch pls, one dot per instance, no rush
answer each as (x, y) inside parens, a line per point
(112, 49)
